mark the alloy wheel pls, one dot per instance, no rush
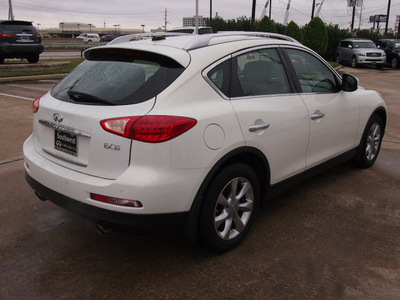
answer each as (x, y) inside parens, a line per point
(233, 208)
(373, 141)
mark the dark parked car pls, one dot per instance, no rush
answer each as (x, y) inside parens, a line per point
(19, 39)
(392, 50)
(107, 38)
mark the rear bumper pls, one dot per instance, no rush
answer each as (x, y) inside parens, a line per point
(16, 50)
(151, 222)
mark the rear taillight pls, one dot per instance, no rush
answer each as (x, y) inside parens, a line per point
(116, 201)
(35, 104)
(149, 129)
(38, 36)
(5, 36)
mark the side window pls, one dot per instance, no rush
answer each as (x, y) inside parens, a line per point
(220, 76)
(260, 73)
(313, 75)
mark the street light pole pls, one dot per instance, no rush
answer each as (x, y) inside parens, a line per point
(253, 10)
(210, 12)
(270, 9)
(10, 11)
(353, 16)
(313, 9)
(387, 16)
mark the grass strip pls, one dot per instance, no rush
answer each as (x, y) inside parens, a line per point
(74, 63)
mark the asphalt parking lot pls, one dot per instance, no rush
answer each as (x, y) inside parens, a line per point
(336, 236)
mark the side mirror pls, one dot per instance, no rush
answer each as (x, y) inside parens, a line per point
(349, 83)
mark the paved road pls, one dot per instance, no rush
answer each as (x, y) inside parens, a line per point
(60, 54)
(336, 236)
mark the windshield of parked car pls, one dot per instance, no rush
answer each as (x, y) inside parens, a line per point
(363, 45)
(117, 77)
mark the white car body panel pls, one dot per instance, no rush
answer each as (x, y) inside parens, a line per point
(166, 177)
(100, 162)
(284, 142)
(334, 133)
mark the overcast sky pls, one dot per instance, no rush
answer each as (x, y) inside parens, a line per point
(151, 13)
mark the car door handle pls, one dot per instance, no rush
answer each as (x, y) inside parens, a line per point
(317, 115)
(254, 128)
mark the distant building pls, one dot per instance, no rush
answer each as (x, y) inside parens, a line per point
(73, 29)
(191, 21)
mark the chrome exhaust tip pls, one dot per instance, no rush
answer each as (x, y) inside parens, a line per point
(102, 230)
(40, 196)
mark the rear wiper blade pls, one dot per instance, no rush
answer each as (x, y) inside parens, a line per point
(84, 97)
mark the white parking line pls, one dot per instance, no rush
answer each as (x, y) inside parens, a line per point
(19, 97)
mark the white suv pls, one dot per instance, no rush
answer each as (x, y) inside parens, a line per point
(195, 130)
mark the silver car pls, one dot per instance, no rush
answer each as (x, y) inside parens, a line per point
(360, 52)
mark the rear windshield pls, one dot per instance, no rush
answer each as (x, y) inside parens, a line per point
(17, 26)
(117, 77)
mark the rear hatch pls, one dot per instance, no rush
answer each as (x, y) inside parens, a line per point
(111, 84)
(19, 32)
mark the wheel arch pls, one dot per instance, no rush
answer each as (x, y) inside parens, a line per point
(381, 112)
(248, 155)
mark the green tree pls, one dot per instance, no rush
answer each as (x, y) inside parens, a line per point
(316, 36)
(245, 24)
(293, 30)
(266, 25)
(218, 24)
(335, 35)
(280, 28)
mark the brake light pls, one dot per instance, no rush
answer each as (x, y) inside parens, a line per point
(35, 104)
(4, 36)
(38, 36)
(116, 201)
(149, 129)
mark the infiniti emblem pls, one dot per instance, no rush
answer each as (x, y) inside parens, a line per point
(58, 117)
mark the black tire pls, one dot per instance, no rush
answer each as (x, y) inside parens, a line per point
(33, 59)
(394, 63)
(338, 60)
(354, 62)
(371, 142)
(2, 59)
(226, 220)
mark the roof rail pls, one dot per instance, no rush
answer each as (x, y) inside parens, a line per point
(206, 39)
(199, 41)
(142, 36)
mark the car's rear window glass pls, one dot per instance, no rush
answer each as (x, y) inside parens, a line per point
(117, 77)
(16, 26)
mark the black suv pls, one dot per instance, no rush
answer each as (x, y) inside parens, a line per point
(392, 49)
(19, 39)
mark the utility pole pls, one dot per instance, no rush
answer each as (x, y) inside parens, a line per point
(197, 17)
(210, 12)
(10, 11)
(165, 20)
(253, 11)
(352, 18)
(313, 9)
(387, 16)
(270, 9)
